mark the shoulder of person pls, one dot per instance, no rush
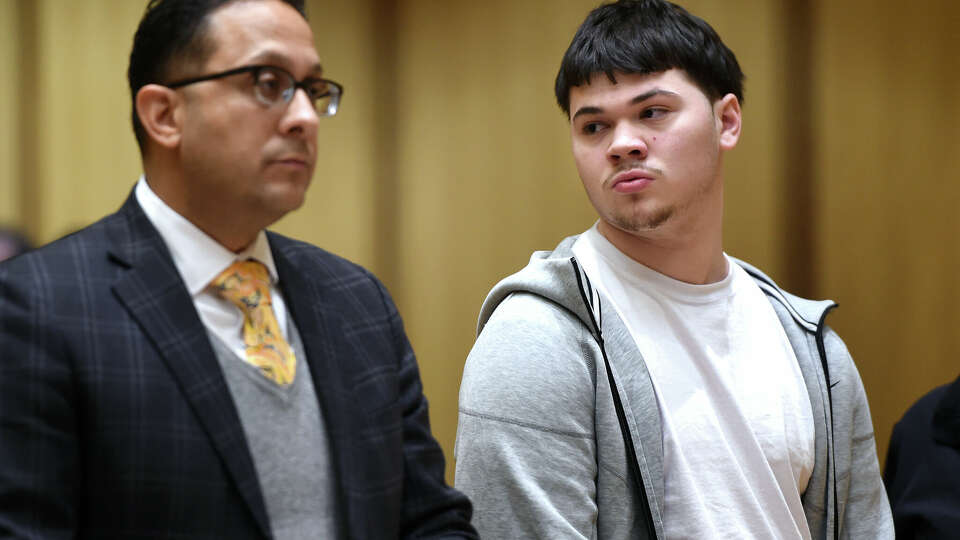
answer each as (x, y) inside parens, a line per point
(534, 350)
(318, 261)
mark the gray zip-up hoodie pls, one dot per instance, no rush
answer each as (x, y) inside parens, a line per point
(540, 450)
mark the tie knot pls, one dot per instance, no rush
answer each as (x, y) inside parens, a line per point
(246, 284)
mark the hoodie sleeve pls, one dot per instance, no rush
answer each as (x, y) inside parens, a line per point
(864, 510)
(525, 451)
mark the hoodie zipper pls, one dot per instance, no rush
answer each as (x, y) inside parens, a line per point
(621, 414)
(821, 350)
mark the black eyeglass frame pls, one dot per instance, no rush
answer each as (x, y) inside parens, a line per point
(335, 95)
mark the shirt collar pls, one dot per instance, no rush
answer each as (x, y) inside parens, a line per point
(198, 257)
(622, 264)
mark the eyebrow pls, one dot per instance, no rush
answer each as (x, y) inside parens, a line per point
(635, 101)
(277, 59)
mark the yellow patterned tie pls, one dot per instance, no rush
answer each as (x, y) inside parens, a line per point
(246, 285)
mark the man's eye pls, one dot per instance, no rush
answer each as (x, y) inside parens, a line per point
(592, 128)
(653, 112)
(269, 84)
(317, 89)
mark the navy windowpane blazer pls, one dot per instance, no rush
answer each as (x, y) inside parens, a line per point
(116, 421)
(922, 474)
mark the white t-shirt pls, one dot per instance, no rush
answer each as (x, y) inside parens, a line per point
(738, 433)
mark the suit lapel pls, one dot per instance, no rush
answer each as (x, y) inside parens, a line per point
(154, 294)
(326, 349)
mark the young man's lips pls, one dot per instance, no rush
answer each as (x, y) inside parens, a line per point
(631, 181)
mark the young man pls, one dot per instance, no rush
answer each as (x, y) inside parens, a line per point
(637, 382)
(174, 371)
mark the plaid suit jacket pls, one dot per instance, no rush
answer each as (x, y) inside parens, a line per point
(116, 420)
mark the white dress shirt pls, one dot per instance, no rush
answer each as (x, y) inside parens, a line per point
(200, 259)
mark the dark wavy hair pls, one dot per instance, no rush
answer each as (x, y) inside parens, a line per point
(172, 33)
(648, 36)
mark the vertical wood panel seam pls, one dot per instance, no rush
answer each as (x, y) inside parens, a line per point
(387, 196)
(799, 245)
(27, 168)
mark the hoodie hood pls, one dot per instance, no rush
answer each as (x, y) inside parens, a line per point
(549, 274)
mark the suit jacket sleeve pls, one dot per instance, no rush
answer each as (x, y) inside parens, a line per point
(39, 453)
(431, 509)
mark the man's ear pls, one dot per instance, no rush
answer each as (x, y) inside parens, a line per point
(727, 111)
(157, 108)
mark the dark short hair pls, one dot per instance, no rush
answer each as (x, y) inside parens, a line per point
(648, 36)
(172, 33)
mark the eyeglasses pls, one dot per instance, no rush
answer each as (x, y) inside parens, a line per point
(273, 85)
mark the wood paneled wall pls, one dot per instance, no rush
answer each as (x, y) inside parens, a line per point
(449, 161)
(9, 105)
(484, 169)
(887, 190)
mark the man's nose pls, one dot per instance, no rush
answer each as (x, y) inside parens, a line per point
(628, 143)
(300, 116)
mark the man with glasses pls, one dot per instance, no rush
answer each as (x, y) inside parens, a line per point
(173, 370)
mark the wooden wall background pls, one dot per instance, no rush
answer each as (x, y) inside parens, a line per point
(449, 162)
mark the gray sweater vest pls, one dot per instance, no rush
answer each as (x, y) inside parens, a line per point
(288, 443)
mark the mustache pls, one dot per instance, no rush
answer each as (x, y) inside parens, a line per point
(634, 166)
(299, 148)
